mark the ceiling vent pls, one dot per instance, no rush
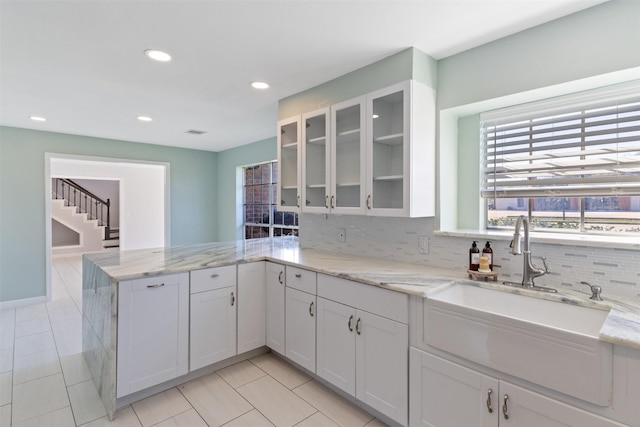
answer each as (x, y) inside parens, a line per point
(196, 132)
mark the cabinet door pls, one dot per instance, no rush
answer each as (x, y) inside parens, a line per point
(213, 327)
(316, 163)
(388, 151)
(337, 344)
(300, 330)
(153, 328)
(445, 394)
(251, 306)
(289, 158)
(382, 365)
(275, 307)
(348, 157)
(525, 408)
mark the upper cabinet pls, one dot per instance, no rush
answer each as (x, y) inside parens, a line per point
(400, 148)
(371, 155)
(289, 164)
(316, 164)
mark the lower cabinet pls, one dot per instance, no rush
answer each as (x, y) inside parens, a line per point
(360, 352)
(251, 306)
(274, 277)
(445, 394)
(300, 320)
(213, 316)
(153, 331)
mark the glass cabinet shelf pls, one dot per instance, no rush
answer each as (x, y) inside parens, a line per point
(289, 187)
(347, 184)
(321, 140)
(388, 178)
(316, 186)
(395, 139)
(290, 146)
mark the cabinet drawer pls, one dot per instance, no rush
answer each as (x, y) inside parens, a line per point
(209, 279)
(300, 279)
(385, 303)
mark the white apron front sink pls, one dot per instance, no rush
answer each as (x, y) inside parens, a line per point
(549, 343)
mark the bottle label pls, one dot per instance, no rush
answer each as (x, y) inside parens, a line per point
(475, 258)
(489, 256)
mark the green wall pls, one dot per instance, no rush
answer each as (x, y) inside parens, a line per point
(408, 64)
(22, 205)
(597, 46)
(229, 179)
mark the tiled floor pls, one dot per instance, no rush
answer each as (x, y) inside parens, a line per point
(45, 382)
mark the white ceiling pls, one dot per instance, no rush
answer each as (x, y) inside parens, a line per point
(81, 65)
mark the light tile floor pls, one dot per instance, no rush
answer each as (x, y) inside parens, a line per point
(44, 380)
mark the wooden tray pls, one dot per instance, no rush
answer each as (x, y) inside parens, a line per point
(477, 275)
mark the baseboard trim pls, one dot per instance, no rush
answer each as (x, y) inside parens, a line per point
(22, 302)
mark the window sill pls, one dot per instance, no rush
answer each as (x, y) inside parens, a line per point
(615, 242)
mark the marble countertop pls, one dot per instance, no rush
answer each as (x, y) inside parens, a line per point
(621, 327)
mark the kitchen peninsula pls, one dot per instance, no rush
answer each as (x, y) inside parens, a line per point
(383, 290)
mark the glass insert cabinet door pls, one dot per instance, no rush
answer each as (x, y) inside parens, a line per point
(289, 154)
(348, 156)
(317, 161)
(387, 144)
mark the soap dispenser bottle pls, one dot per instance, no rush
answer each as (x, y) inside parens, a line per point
(474, 257)
(488, 252)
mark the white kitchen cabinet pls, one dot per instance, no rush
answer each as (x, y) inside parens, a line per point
(362, 353)
(316, 164)
(153, 331)
(445, 394)
(213, 316)
(289, 164)
(275, 276)
(251, 306)
(400, 150)
(300, 329)
(379, 158)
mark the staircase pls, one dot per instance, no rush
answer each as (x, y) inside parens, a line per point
(86, 214)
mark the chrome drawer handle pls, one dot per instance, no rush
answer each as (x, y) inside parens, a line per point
(233, 299)
(350, 324)
(358, 327)
(333, 202)
(311, 309)
(504, 407)
(215, 276)
(280, 277)
(326, 201)
(489, 406)
(298, 275)
(156, 285)
(369, 202)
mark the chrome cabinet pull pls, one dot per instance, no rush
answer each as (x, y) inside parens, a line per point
(358, 327)
(369, 202)
(326, 201)
(350, 324)
(233, 299)
(157, 285)
(280, 278)
(333, 200)
(504, 407)
(489, 406)
(298, 202)
(311, 309)
(215, 275)
(298, 275)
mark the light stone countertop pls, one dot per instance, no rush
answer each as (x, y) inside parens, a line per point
(621, 327)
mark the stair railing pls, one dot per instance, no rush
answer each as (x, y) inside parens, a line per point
(86, 202)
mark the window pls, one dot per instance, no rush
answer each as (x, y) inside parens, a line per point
(261, 217)
(571, 163)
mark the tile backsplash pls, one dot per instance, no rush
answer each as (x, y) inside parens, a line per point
(616, 270)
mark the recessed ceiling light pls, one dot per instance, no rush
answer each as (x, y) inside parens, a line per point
(144, 118)
(375, 116)
(38, 118)
(260, 85)
(158, 55)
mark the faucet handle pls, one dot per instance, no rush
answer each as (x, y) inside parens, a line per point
(595, 291)
(544, 262)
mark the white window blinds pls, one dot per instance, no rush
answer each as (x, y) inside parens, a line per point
(582, 145)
